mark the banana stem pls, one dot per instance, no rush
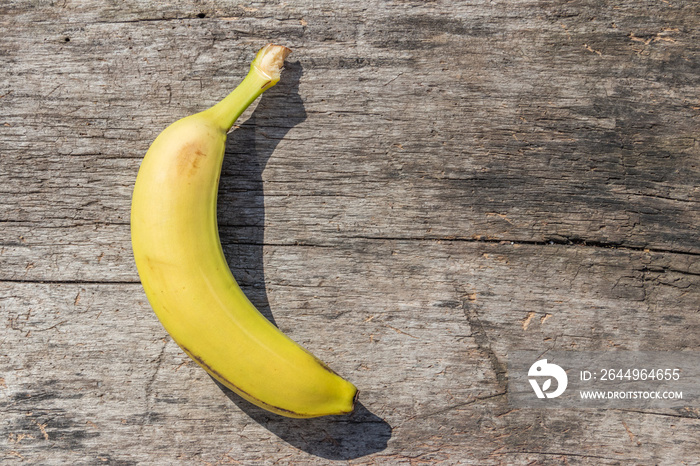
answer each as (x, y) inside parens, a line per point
(264, 73)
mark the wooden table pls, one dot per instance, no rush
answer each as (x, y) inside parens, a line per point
(431, 187)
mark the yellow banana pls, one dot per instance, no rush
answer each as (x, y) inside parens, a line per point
(178, 254)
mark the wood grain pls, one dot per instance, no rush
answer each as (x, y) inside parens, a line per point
(431, 187)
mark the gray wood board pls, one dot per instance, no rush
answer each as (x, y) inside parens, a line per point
(431, 186)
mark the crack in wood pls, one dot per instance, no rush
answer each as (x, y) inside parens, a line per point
(484, 345)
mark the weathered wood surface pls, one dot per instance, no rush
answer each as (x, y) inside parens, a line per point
(431, 186)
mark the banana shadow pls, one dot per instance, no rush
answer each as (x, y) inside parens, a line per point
(241, 216)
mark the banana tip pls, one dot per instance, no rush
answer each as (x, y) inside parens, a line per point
(271, 58)
(282, 50)
(354, 401)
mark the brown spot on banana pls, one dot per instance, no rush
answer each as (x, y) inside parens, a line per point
(188, 158)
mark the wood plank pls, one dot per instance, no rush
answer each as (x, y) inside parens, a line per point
(444, 384)
(575, 175)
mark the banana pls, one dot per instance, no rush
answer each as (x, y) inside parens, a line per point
(178, 254)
